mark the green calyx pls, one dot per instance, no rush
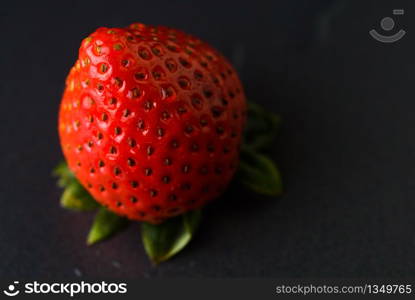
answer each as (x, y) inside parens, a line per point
(165, 240)
(261, 129)
(76, 198)
(256, 170)
(161, 242)
(105, 224)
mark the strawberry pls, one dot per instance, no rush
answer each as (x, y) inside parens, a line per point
(151, 125)
(151, 121)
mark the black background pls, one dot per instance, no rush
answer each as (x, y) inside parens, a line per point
(346, 148)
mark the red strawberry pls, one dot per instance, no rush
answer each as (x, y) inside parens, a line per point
(151, 121)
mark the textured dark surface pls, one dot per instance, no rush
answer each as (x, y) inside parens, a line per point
(345, 150)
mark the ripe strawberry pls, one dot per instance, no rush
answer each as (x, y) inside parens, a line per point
(151, 121)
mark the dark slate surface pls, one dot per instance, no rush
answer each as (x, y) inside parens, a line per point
(346, 148)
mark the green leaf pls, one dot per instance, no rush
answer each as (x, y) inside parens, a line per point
(65, 176)
(262, 127)
(259, 173)
(76, 197)
(165, 240)
(105, 224)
